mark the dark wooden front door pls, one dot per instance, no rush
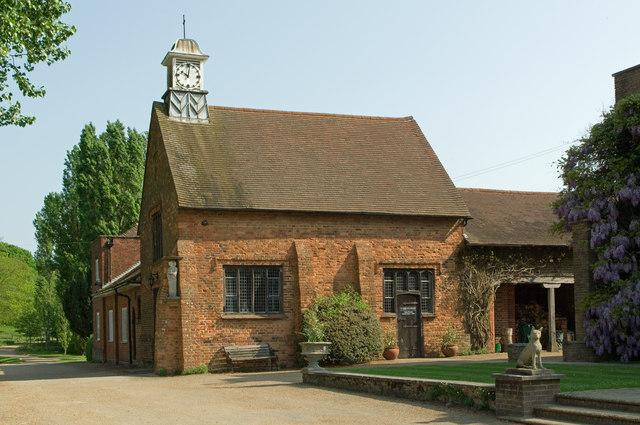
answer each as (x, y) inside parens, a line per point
(409, 324)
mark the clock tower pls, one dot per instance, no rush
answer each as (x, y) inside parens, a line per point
(185, 98)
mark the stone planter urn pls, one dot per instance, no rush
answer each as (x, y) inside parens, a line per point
(314, 352)
(391, 353)
(450, 350)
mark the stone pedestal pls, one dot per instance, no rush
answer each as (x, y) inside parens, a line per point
(518, 391)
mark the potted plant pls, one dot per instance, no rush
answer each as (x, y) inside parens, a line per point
(314, 348)
(391, 349)
(449, 347)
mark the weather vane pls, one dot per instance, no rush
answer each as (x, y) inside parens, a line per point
(184, 30)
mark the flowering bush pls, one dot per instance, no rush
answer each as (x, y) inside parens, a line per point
(601, 178)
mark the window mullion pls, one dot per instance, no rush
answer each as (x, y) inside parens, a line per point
(253, 291)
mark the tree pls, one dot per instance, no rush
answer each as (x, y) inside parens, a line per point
(17, 282)
(31, 32)
(47, 306)
(101, 192)
(64, 333)
(601, 176)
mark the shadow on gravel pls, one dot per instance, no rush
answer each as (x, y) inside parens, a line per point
(37, 370)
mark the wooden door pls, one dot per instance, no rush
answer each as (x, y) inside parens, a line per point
(409, 324)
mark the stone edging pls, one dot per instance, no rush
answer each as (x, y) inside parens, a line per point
(473, 394)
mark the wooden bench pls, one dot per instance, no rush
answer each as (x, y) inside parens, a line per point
(248, 353)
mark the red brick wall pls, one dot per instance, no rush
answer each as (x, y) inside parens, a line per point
(319, 253)
(124, 253)
(505, 311)
(158, 195)
(583, 258)
(104, 350)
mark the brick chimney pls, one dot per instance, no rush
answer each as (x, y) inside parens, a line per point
(627, 82)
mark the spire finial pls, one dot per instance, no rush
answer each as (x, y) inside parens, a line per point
(184, 29)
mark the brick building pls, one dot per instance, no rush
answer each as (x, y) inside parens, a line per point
(115, 279)
(248, 215)
(518, 225)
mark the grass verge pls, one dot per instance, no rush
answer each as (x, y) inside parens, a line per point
(9, 360)
(578, 377)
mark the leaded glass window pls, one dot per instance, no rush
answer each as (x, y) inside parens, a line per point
(400, 280)
(252, 289)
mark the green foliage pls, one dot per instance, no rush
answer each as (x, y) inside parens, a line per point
(31, 32)
(389, 340)
(77, 344)
(312, 329)
(196, 370)
(450, 337)
(351, 327)
(28, 324)
(88, 349)
(17, 282)
(162, 372)
(101, 192)
(64, 334)
(48, 308)
(9, 335)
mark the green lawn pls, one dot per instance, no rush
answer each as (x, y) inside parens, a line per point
(54, 351)
(577, 377)
(63, 357)
(9, 360)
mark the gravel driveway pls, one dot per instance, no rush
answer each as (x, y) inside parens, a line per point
(43, 392)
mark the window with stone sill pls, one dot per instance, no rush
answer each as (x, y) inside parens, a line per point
(252, 289)
(401, 280)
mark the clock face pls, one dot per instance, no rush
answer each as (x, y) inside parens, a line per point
(188, 75)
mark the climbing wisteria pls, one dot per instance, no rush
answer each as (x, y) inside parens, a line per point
(601, 177)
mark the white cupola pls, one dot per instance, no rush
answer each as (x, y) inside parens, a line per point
(185, 98)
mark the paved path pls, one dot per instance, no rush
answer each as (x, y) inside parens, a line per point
(618, 395)
(65, 393)
(491, 357)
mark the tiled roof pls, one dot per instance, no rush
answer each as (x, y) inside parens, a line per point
(131, 271)
(502, 217)
(293, 161)
(130, 233)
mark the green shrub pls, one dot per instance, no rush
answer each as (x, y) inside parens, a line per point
(450, 337)
(351, 327)
(196, 370)
(312, 329)
(88, 349)
(77, 344)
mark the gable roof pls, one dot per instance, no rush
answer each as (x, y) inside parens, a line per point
(503, 217)
(255, 159)
(132, 232)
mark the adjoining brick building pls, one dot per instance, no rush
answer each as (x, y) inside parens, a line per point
(115, 279)
(248, 215)
(518, 225)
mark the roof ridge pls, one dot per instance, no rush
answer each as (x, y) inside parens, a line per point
(317, 114)
(515, 192)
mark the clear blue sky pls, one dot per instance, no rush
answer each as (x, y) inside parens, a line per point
(488, 81)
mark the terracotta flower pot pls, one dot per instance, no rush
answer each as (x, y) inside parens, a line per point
(390, 353)
(450, 350)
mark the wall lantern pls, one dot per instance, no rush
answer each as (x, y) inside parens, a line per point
(172, 278)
